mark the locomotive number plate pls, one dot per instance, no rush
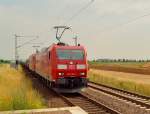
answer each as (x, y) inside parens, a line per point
(72, 66)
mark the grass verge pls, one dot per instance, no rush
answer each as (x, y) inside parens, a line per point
(126, 81)
(16, 92)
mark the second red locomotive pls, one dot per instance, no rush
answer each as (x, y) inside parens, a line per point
(63, 67)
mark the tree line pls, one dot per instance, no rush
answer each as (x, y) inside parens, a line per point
(4, 61)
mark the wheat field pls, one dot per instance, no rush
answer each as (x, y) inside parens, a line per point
(16, 91)
(127, 81)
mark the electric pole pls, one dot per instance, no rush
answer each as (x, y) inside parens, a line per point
(16, 52)
(18, 46)
(76, 40)
(36, 48)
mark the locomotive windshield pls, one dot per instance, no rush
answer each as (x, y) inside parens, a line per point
(70, 54)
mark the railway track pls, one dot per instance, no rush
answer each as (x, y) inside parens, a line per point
(51, 98)
(77, 99)
(89, 105)
(144, 101)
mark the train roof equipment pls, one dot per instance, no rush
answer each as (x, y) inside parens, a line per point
(58, 28)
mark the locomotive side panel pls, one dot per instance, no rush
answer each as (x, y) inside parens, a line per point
(53, 64)
(38, 64)
(32, 62)
(43, 65)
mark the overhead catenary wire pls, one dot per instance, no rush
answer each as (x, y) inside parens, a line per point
(113, 28)
(75, 15)
(108, 29)
(27, 42)
(127, 22)
(79, 12)
(18, 46)
(136, 18)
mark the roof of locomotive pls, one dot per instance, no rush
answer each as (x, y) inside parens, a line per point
(61, 46)
(56, 46)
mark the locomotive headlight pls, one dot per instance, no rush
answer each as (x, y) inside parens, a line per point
(82, 73)
(60, 66)
(60, 74)
(81, 66)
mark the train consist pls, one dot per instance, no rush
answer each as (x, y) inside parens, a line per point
(63, 67)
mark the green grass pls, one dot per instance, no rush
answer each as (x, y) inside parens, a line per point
(122, 81)
(16, 91)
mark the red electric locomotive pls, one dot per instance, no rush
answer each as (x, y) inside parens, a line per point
(63, 67)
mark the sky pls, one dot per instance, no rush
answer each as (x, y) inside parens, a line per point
(107, 28)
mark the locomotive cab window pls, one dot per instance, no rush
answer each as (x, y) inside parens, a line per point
(70, 54)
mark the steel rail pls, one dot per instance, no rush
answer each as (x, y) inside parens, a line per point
(116, 92)
(84, 101)
(121, 90)
(89, 105)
